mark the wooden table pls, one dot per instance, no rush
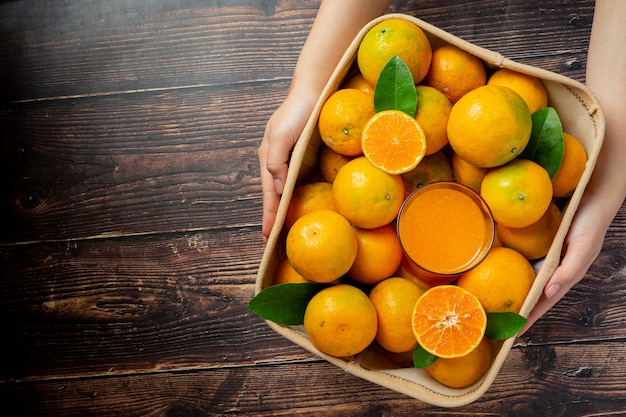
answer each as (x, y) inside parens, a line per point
(131, 212)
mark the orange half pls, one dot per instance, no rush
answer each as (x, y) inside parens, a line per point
(393, 141)
(448, 321)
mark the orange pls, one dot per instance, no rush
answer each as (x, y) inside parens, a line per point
(433, 109)
(466, 173)
(394, 300)
(342, 118)
(501, 281)
(455, 72)
(367, 196)
(394, 37)
(517, 193)
(357, 81)
(340, 320)
(448, 321)
(307, 198)
(496, 240)
(489, 126)
(285, 274)
(529, 87)
(535, 240)
(330, 162)
(378, 255)
(432, 168)
(572, 167)
(321, 246)
(404, 271)
(464, 371)
(393, 141)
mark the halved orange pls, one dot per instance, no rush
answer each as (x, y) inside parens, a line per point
(448, 321)
(393, 141)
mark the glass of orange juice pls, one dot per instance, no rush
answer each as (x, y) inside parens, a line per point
(445, 229)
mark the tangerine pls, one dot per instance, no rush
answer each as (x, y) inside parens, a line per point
(321, 246)
(340, 320)
(393, 141)
(518, 193)
(330, 162)
(394, 37)
(464, 371)
(572, 167)
(307, 198)
(359, 82)
(455, 72)
(342, 118)
(501, 281)
(489, 126)
(448, 321)
(285, 274)
(529, 87)
(466, 173)
(532, 241)
(378, 255)
(433, 109)
(367, 196)
(432, 168)
(394, 299)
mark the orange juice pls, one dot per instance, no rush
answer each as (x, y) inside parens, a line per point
(445, 229)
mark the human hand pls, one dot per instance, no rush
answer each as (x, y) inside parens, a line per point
(281, 134)
(581, 247)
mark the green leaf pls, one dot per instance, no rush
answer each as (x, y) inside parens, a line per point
(284, 303)
(501, 326)
(395, 89)
(421, 358)
(546, 146)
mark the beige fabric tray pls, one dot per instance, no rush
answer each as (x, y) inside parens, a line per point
(581, 116)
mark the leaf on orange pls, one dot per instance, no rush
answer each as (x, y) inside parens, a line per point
(393, 141)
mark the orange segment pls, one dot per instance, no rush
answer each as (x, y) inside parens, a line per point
(393, 141)
(448, 321)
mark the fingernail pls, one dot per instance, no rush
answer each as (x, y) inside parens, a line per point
(552, 290)
(278, 184)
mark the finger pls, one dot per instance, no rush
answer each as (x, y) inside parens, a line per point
(270, 207)
(277, 161)
(572, 269)
(546, 303)
(270, 197)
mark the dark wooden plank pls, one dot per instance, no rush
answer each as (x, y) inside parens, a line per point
(134, 164)
(109, 46)
(133, 304)
(563, 380)
(136, 304)
(587, 307)
(106, 47)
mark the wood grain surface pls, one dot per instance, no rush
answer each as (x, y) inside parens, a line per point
(131, 217)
